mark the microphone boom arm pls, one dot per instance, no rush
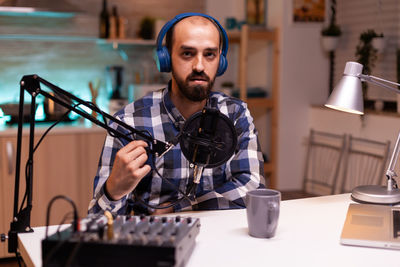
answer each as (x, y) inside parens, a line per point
(31, 83)
(158, 147)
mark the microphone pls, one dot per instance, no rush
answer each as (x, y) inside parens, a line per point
(208, 139)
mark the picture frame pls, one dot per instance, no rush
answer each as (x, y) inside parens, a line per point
(308, 11)
(256, 13)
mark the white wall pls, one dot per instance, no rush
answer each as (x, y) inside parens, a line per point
(303, 80)
(377, 127)
(357, 16)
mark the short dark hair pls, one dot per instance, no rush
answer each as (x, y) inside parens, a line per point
(169, 35)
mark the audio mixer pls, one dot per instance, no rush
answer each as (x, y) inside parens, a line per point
(102, 240)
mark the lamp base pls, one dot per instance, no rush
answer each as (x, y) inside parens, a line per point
(375, 194)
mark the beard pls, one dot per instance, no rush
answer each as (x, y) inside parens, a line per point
(198, 92)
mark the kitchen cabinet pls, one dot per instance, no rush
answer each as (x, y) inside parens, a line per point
(270, 104)
(7, 173)
(65, 163)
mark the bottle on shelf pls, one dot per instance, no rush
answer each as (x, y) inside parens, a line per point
(104, 30)
(117, 101)
(114, 24)
(122, 27)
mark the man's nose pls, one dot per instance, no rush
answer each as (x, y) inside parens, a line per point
(198, 64)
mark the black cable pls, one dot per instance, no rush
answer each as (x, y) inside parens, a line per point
(26, 189)
(184, 195)
(53, 125)
(66, 216)
(165, 179)
(18, 256)
(29, 163)
(59, 244)
(75, 211)
(74, 225)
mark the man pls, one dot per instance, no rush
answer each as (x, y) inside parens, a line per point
(194, 45)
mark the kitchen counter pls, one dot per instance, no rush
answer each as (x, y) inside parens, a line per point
(61, 128)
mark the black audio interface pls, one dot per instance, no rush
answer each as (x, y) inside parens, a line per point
(123, 241)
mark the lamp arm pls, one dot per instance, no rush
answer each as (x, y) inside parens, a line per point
(380, 82)
(390, 173)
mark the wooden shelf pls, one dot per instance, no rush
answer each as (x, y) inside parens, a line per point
(70, 38)
(12, 11)
(47, 38)
(268, 167)
(130, 41)
(235, 36)
(260, 103)
(257, 105)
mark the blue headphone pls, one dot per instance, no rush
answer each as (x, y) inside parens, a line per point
(163, 57)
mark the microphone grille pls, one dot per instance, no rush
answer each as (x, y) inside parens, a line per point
(353, 68)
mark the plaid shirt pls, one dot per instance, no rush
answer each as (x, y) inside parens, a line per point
(222, 187)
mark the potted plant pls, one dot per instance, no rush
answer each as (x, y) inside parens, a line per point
(366, 55)
(331, 33)
(378, 42)
(330, 37)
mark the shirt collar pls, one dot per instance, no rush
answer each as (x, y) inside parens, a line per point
(173, 113)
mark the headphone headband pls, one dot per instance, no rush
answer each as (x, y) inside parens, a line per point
(164, 60)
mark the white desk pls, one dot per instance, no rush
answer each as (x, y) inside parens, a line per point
(308, 235)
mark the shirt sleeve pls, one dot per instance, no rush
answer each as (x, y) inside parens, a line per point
(100, 202)
(244, 171)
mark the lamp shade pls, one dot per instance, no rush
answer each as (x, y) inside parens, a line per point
(347, 95)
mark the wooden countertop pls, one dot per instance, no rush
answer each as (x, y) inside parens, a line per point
(61, 128)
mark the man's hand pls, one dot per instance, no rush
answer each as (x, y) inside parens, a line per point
(128, 169)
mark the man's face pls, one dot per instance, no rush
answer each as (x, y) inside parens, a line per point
(195, 57)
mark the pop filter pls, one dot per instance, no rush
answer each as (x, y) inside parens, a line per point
(208, 138)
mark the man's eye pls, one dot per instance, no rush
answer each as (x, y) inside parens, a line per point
(187, 53)
(210, 55)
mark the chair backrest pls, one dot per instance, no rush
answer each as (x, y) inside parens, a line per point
(323, 158)
(364, 163)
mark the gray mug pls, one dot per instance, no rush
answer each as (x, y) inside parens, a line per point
(262, 207)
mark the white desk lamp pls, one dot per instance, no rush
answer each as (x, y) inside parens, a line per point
(347, 96)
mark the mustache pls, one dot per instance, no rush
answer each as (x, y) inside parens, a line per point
(198, 76)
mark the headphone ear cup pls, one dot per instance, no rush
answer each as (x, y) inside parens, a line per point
(164, 60)
(223, 65)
